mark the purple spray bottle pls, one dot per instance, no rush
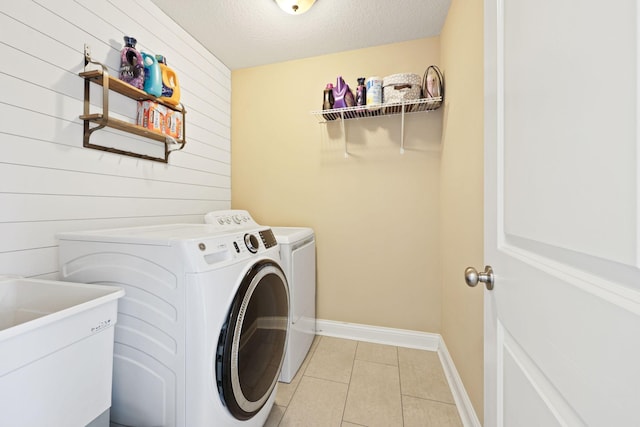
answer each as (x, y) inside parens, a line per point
(342, 95)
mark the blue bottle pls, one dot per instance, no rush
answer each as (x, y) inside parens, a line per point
(152, 75)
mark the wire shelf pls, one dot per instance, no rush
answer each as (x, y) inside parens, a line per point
(387, 109)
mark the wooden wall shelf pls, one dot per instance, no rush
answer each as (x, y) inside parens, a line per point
(101, 120)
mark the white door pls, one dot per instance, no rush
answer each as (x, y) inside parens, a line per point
(562, 213)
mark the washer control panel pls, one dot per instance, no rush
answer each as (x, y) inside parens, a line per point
(230, 219)
(236, 245)
(268, 238)
(252, 242)
(244, 237)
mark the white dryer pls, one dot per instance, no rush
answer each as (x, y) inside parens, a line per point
(203, 326)
(298, 257)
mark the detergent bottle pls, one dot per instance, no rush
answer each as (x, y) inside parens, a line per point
(342, 95)
(131, 67)
(152, 75)
(327, 102)
(170, 84)
(361, 92)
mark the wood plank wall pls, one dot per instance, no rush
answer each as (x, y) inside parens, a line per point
(48, 181)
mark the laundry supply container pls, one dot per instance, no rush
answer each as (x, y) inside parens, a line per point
(398, 88)
(56, 351)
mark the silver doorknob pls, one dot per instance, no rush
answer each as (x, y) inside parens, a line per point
(472, 277)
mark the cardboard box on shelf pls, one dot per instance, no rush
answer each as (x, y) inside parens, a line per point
(152, 116)
(158, 118)
(173, 124)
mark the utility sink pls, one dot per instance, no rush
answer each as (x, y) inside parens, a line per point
(56, 351)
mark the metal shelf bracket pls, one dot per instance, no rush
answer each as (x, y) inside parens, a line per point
(363, 112)
(102, 120)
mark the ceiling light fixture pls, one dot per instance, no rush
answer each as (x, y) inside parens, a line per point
(295, 7)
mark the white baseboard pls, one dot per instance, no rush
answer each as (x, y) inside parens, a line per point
(411, 339)
(378, 334)
(463, 403)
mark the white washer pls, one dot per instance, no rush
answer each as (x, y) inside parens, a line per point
(298, 255)
(202, 329)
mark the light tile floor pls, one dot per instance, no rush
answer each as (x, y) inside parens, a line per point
(346, 383)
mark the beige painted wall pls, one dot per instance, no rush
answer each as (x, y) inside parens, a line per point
(376, 214)
(461, 202)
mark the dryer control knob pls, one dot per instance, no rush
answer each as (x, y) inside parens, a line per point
(252, 243)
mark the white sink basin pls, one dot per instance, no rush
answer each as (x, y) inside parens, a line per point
(56, 351)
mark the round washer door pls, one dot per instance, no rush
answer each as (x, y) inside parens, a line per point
(252, 341)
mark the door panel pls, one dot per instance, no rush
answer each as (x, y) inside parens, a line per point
(561, 197)
(524, 400)
(570, 98)
(578, 341)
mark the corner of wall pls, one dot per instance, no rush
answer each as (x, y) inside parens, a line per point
(461, 188)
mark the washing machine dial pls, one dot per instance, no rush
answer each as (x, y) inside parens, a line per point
(252, 243)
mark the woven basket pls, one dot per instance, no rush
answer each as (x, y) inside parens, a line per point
(401, 87)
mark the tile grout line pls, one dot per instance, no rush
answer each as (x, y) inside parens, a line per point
(346, 399)
(302, 375)
(429, 399)
(400, 384)
(327, 380)
(403, 395)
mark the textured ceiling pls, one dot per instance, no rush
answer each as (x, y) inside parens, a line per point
(247, 33)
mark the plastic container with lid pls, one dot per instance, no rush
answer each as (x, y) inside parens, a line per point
(170, 84)
(327, 101)
(131, 66)
(152, 75)
(374, 92)
(361, 92)
(342, 95)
